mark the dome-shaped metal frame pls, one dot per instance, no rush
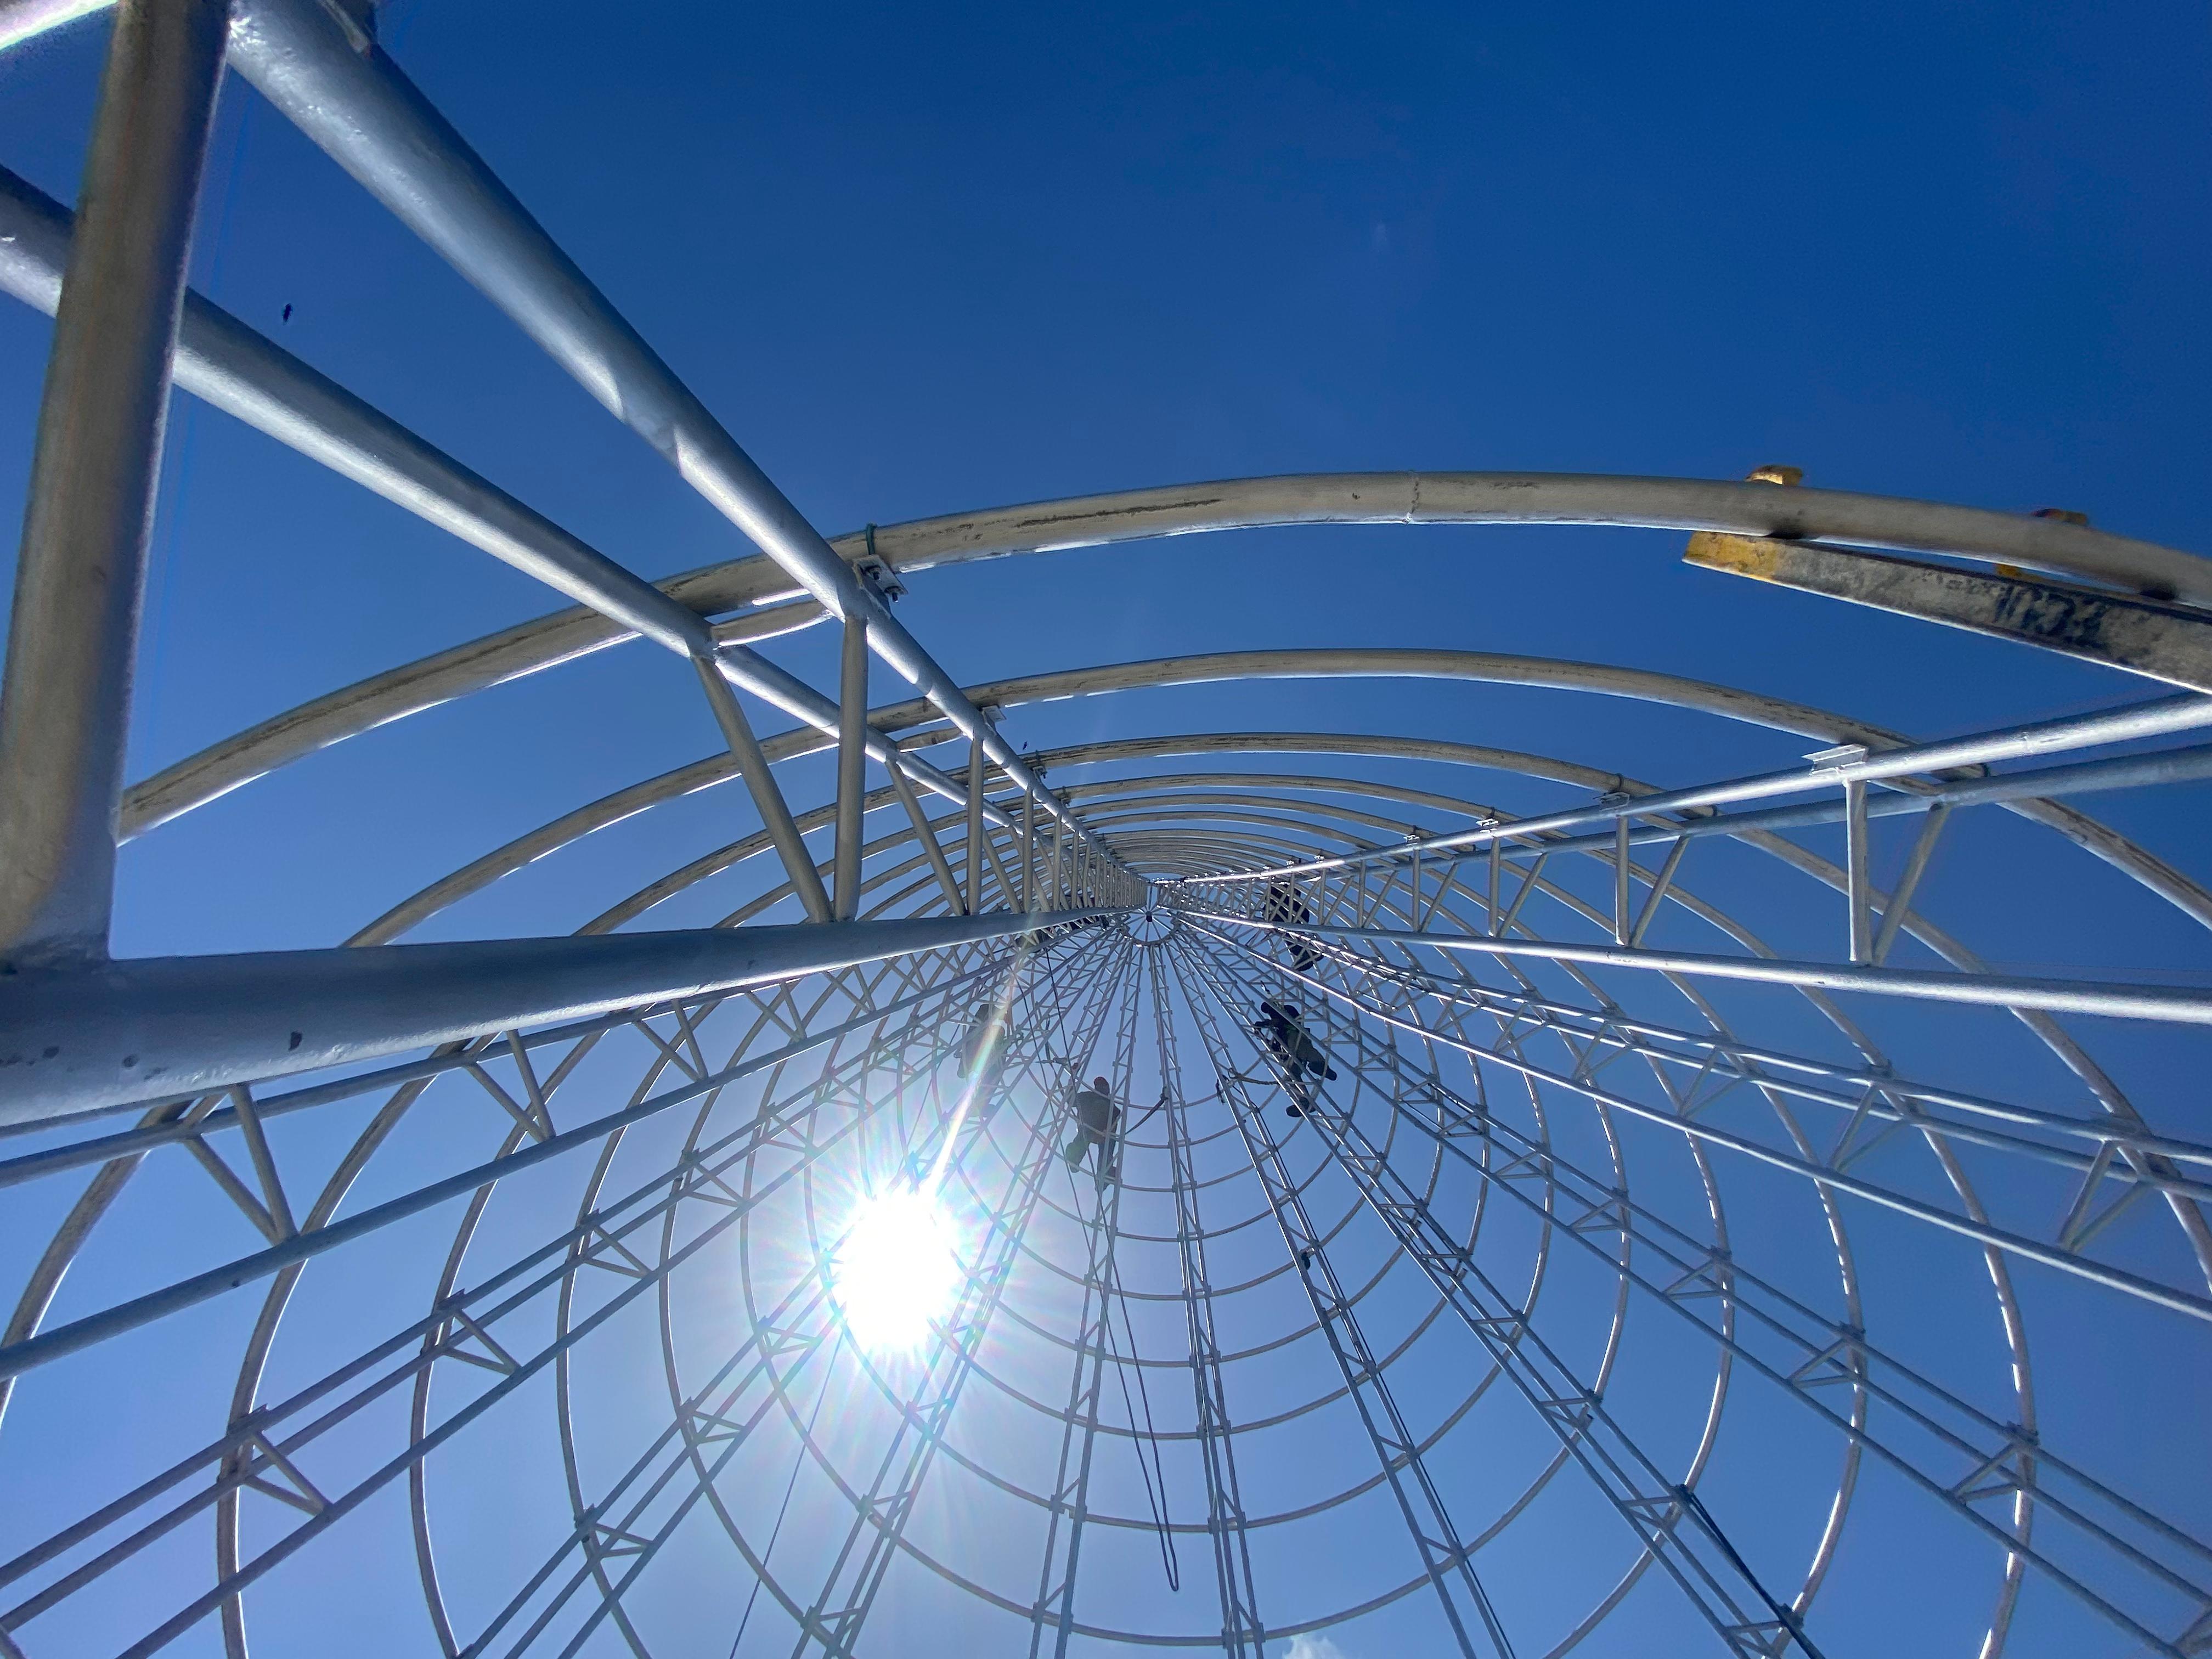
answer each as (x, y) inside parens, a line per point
(1450, 1073)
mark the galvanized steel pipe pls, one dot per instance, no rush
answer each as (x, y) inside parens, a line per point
(80, 580)
(119, 1032)
(351, 99)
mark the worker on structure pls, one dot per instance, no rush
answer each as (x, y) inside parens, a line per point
(984, 1060)
(1286, 908)
(1097, 1123)
(1292, 1049)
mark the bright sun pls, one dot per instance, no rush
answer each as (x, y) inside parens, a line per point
(896, 1271)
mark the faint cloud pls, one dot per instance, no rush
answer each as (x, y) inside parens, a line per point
(1314, 1647)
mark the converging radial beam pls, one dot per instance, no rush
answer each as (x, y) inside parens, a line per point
(347, 96)
(144, 1030)
(2111, 999)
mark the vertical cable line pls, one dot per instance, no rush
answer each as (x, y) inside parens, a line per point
(1653, 1505)
(1153, 1471)
(1242, 1632)
(798, 1462)
(1446, 1561)
(1056, 1573)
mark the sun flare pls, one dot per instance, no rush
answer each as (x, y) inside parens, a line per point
(896, 1271)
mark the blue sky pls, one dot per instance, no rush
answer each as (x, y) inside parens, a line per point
(920, 261)
(919, 265)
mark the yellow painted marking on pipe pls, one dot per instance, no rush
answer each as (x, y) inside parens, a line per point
(1742, 556)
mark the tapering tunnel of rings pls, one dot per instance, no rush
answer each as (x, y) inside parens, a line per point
(1426, 1229)
(1331, 1181)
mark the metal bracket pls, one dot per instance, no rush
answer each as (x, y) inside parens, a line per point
(1834, 759)
(876, 571)
(2135, 633)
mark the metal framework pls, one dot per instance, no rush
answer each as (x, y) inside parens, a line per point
(1533, 1244)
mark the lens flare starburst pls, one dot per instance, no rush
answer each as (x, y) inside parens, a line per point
(898, 1269)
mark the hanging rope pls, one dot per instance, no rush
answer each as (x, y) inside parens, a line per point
(1152, 1472)
(1155, 1471)
(798, 1462)
(1100, 1230)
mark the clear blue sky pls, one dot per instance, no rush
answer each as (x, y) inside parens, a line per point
(925, 259)
(918, 263)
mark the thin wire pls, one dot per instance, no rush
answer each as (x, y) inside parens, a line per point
(798, 1462)
(1159, 1509)
(1156, 1505)
(1114, 1287)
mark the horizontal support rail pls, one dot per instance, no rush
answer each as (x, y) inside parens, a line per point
(1721, 1061)
(2149, 771)
(126, 1031)
(2138, 721)
(2179, 1005)
(89, 1331)
(448, 1058)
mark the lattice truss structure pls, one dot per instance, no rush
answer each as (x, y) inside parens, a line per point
(1510, 1245)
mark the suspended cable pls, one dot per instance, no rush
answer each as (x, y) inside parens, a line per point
(798, 1462)
(1154, 1471)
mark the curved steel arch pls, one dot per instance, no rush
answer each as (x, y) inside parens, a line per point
(1251, 819)
(2183, 892)
(1452, 498)
(1520, 1098)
